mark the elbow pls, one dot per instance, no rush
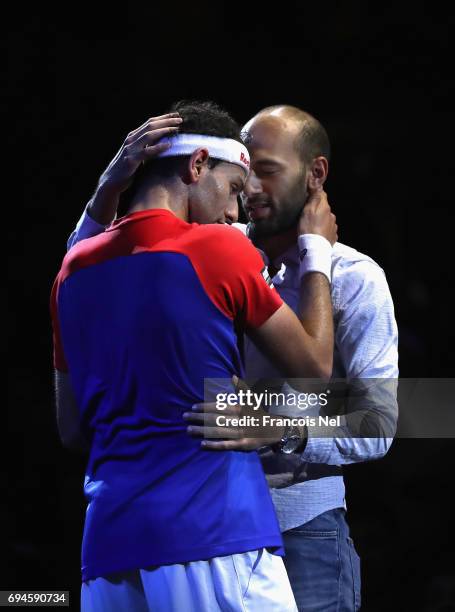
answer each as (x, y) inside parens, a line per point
(384, 447)
(325, 372)
(377, 449)
(322, 372)
(323, 367)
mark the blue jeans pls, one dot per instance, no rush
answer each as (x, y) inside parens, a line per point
(323, 565)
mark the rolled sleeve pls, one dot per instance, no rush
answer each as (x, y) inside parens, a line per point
(366, 338)
(86, 228)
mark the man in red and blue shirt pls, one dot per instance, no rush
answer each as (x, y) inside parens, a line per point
(142, 314)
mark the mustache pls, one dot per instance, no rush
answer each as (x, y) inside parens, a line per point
(255, 201)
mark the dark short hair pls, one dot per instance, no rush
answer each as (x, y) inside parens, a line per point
(206, 118)
(313, 141)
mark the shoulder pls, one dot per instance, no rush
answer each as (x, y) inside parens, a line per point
(344, 256)
(355, 274)
(85, 253)
(218, 231)
(350, 263)
(221, 240)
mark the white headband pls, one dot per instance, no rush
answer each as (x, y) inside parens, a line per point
(227, 149)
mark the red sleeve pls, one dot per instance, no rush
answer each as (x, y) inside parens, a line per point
(234, 275)
(59, 356)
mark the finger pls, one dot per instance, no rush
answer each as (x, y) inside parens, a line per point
(153, 126)
(152, 137)
(213, 408)
(196, 431)
(321, 198)
(230, 410)
(313, 200)
(224, 445)
(239, 384)
(151, 120)
(142, 151)
(205, 407)
(321, 204)
(315, 189)
(217, 432)
(200, 419)
(222, 432)
(154, 150)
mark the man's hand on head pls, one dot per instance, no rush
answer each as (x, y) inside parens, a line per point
(139, 146)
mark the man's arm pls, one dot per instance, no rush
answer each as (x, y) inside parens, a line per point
(303, 347)
(68, 417)
(140, 145)
(86, 227)
(367, 340)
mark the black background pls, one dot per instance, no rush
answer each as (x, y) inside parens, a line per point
(379, 78)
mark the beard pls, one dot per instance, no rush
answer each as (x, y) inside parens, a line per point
(284, 216)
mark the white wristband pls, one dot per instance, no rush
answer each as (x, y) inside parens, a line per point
(315, 253)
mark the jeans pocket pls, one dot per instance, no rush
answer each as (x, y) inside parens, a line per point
(356, 577)
(312, 533)
(314, 567)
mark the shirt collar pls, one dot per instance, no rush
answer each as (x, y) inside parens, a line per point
(289, 257)
(142, 214)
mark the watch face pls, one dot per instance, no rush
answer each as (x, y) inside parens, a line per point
(291, 444)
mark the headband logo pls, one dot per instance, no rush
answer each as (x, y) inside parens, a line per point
(244, 159)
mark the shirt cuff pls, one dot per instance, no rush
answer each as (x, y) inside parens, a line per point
(317, 450)
(86, 228)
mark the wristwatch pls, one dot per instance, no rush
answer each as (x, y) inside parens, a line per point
(291, 441)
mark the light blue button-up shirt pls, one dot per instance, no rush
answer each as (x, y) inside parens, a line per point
(366, 347)
(366, 340)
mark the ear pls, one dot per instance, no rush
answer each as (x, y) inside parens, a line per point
(196, 163)
(317, 173)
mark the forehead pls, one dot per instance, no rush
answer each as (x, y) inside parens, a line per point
(231, 171)
(271, 135)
